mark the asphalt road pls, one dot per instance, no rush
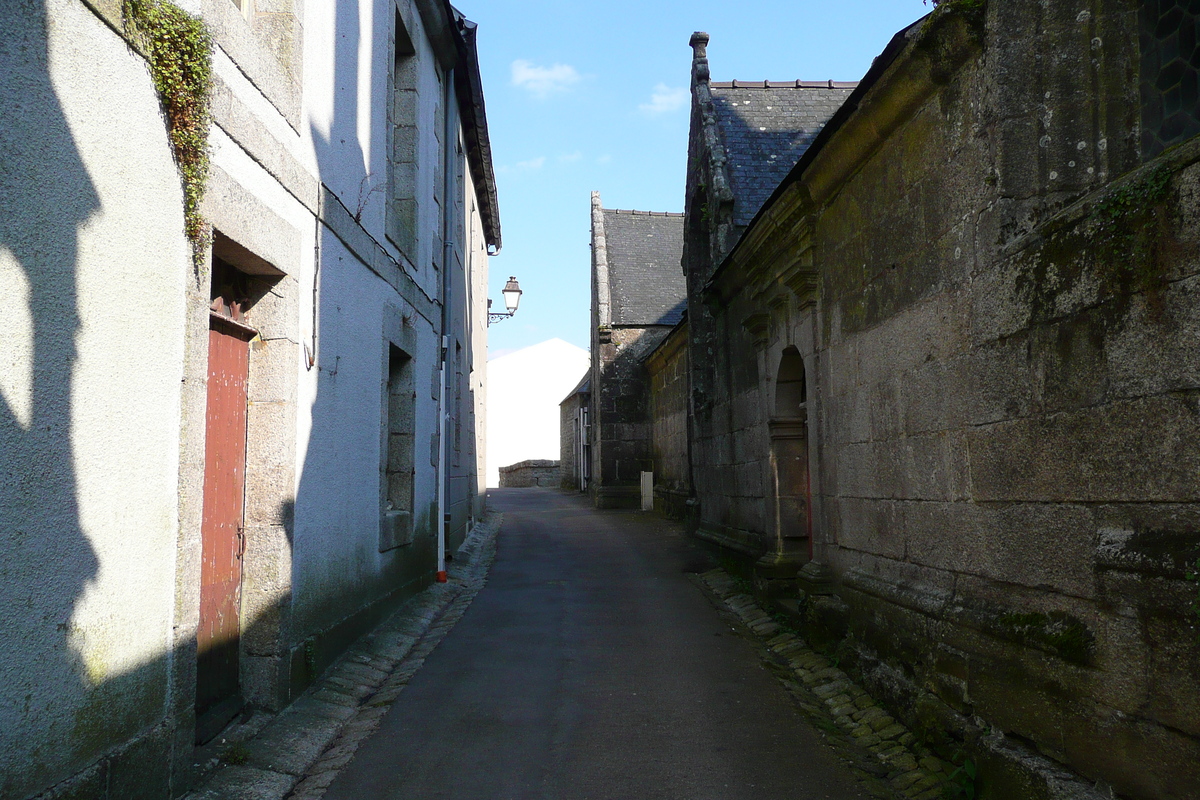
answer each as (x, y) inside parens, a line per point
(590, 666)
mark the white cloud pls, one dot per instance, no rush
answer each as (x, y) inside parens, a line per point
(604, 159)
(664, 100)
(523, 166)
(533, 163)
(543, 81)
(570, 158)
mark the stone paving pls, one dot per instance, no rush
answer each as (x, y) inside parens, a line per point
(824, 691)
(297, 753)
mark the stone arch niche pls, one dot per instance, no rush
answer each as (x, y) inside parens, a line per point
(788, 427)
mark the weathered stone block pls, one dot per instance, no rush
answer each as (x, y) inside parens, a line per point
(1060, 459)
(873, 525)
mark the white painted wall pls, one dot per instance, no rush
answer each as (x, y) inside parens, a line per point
(92, 269)
(336, 560)
(103, 355)
(524, 390)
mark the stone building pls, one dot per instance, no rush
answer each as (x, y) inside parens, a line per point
(668, 376)
(223, 458)
(574, 413)
(944, 373)
(638, 295)
(745, 136)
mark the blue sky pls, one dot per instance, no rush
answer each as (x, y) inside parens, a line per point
(592, 95)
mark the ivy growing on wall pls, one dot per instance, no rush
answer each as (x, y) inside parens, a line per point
(178, 48)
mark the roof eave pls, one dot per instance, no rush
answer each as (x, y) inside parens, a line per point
(469, 86)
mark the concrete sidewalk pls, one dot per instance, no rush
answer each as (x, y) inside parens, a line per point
(593, 666)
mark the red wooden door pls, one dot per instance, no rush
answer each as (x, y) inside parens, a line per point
(223, 541)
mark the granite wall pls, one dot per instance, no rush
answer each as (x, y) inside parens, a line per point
(1000, 343)
(667, 369)
(525, 474)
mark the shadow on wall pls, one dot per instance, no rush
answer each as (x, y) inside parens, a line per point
(622, 417)
(47, 561)
(340, 579)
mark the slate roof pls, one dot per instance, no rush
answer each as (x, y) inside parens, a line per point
(583, 387)
(766, 127)
(645, 280)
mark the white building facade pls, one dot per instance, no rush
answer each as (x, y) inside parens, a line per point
(216, 471)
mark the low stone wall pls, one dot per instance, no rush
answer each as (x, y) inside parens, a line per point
(535, 472)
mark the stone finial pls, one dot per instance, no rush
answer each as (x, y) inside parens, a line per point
(600, 265)
(699, 43)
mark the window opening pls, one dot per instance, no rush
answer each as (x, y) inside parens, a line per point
(1170, 71)
(398, 464)
(791, 393)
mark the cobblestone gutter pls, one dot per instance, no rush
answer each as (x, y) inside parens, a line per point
(910, 769)
(297, 753)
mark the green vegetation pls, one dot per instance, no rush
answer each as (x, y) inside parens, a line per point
(178, 48)
(1120, 241)
(235, 754)
(972, 10)
(1129, 219)
(961, 781)
(1135, 197)
(1056, 633)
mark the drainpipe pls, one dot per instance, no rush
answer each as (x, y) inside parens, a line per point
(445, 375)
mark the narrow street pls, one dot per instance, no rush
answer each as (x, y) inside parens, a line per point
(592, 666)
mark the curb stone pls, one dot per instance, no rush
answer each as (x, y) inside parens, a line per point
(297, 753)
(911, 770)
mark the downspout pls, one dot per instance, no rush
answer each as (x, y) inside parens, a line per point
(445, 376)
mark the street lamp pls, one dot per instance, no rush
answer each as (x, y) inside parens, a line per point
(512, 297)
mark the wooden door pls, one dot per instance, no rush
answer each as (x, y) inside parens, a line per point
(223, 540)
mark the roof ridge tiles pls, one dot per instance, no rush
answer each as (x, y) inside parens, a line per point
(796, 84)
(644, 213)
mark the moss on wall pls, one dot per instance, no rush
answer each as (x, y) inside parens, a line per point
(1055, 633)
(1120, 243)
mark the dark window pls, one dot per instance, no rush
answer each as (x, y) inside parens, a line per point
(399, 422)
(459, 411)
(791, 394)
(1170, 68)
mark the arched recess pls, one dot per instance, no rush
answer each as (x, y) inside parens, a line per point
(789, 459)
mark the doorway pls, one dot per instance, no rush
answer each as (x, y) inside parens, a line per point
(789, 459)
(223, 539)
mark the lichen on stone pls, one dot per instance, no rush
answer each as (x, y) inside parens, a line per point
(1118, 244)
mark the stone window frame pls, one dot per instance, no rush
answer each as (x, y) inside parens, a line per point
(265, 45)
(404, 148)
(398, 434)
